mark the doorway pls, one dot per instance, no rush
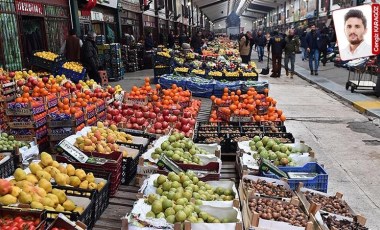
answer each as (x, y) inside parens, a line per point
(32, 36)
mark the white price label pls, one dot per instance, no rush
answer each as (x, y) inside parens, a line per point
(28, 153)
(73, 151)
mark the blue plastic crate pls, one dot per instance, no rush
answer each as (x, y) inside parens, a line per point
(72, 75)
(200, 89)
(319, 182)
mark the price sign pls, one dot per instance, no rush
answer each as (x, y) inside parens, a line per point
(28, 153)
(73, 151)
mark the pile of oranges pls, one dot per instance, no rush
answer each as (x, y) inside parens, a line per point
(172, 96)
(143, 91)
(260, 106)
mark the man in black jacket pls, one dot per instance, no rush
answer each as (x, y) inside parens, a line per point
(171, 39)
(278, 44)
(260, 43)
(89, 56)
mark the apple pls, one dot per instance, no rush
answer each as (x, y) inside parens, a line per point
(146, 114)
(109, 116)
(158, 125)
(117, 118)
(130, 112)
(124, 112)
(159, 131)
(146, 123)
(184, 121)
(35, 82)
(192, 122)
(78, 86)
(186, 128)
(165, 112)
(97, 90)
(20, 83)
(151, 130)
(45, 79)
(129, 126)
(160, 118)
(111, 90)
(145, 108)
(186, 114)
(165, 125)
(156, 110)
(12, 74)
(178, 125)
(152, 115)
(173, 118)
(136, 126)
(136, 107)
(124, 106)
(133, 120)
(176, 112)
(138, 114)
(140, 121)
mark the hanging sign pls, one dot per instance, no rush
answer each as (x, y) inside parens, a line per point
(29, 7)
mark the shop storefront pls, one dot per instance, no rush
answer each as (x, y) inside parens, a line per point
(131, 19)
(150, 26)
(103, 23)
(10, 55)
(38, 23)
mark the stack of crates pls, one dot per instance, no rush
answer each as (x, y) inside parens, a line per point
(117, 67)
(140, 56)
(8, 92)
(132, 60)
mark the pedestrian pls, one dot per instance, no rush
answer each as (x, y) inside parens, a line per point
(291, 46)
(171, 39)
(71, 47)
(89, 56)
(251, 43)
(244, 48)
(312, 48)
(323, 44)
(260, 43)
(277, 43)
(196, 42)
(303, 45)
(148, 43)
(332, 38)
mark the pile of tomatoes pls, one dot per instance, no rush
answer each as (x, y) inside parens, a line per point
(19, 223)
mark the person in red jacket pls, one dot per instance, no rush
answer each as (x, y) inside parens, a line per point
(71, 47)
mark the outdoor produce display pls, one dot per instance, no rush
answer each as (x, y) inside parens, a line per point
(68, 145)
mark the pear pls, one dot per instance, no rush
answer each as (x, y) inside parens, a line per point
(60, 179)
(43, 174)
(46, 201)
(59, 208)
(101, 185)
(90, 177)
(79, 210)
(34, 168)
(92, 186)
(80, 173)
(75, 181)
(46, 185)
(36, 205)
(32, 178)
(54, 172)
(15, 191)
(62, 169)
(8, 200)
(41, 192)
(55, 164)
(70, 170)
(84, 185)
(54, 198)
(36, 198)
(19, 174)
(25, 198)
(60, 194)
(46, 159)
(68, 205)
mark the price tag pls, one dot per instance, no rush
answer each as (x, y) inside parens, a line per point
(28, 153)
(73, 151)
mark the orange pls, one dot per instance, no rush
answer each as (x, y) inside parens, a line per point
(65, 101)
(19, 100)
(25, 89)
(282, 117)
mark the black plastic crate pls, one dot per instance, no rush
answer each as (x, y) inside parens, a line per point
(8, 167)
(52, 66)
(274, 129)
(232, 128)
(162, 71)
(206, 138)
(283, 137)
(252, 129)
(87, 215)
(269, 123)
(129, 165)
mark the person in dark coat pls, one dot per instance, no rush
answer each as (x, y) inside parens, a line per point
(171, 39)
(312, 48)
(260, 43)
(323, 44)
(277, 43)
(291, 47)
(89, 56)
(149, 44)
(71, 47)
(303, 45)
(196, 42)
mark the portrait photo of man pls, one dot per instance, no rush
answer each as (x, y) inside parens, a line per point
(355, 42)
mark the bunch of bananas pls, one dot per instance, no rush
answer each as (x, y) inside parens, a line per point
(74, 66)
(181, 69)
(198, 71)
(215, 74)
(164, 54)
(249, 74)
(46, 55)
(232, 74)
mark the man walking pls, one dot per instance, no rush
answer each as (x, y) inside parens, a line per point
(260, 43)
(323, 44)
(303, 45)
(291, 46)
(278, 44)
(312, 48)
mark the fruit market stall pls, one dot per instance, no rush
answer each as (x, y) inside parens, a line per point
(85, 155)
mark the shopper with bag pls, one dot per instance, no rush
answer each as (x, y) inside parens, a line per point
(291, 47)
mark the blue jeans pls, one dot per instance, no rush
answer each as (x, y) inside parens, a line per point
(314, 54)
(292, 58)
(260, 50)
(304, 53)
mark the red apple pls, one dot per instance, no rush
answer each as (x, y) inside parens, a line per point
(12, 74)
(130, 112)
(145, 108)
(117, 118)
(165, 112)
(109, 116)
(136, 126)
(160, 118)
(140, 121)
(152, 115)
(151, 130)
(186, 114)
(45, 79)
(133, 120)
(111, 90)
(186, 128)
(192, 122)
(178, 125)
(124, 106)
(124, 112)
(97, 90)
(138, 114)
(129, 126)
(146, 114)
(176, 112)
(158, 125)
(156, 109)
(165, 124)
(20, 83)
(78, 86)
